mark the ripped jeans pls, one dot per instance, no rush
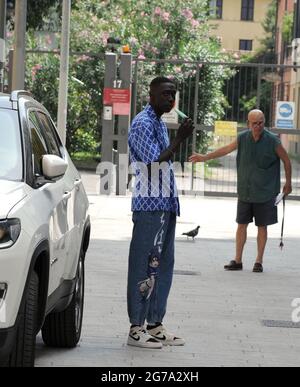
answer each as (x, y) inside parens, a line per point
(151, 264)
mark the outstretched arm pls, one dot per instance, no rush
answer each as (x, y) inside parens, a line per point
(282, 154)
(225, 150)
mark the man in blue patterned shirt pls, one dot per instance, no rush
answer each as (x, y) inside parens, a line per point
(155, 206)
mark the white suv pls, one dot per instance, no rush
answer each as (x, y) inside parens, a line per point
(44, 233)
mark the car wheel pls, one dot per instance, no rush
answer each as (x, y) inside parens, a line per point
(63, 329)
(23, 353)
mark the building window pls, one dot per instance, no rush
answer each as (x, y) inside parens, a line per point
(216, 9)
(246, 45)
(247, 10)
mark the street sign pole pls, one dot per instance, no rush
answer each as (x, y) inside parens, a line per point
(296, 52)
(116, 121)
(108, 123)
(297, 19)
(18, 76)
(2, 41)
(64, 71)
(123, 126)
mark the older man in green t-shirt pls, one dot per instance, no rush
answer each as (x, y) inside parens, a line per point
(258, 169)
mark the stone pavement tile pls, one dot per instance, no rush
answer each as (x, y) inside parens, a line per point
(218, 313)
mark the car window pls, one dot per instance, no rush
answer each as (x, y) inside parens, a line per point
(39, 146)
(11, 156)
(49, 134)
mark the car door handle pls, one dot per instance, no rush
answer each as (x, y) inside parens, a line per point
(77, 182)
(67, 195)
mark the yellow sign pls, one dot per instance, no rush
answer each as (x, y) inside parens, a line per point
(226, 128)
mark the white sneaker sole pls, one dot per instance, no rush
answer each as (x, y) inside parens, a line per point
(172, 343)
(141, 344)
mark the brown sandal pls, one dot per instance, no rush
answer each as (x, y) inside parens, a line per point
(233, 266)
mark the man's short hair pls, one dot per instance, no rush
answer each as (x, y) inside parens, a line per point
(159, 80)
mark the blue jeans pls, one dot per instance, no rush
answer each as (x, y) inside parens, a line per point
(151, 264)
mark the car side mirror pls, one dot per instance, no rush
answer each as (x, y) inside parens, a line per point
(53, 166)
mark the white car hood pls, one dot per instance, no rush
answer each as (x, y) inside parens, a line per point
(11, 193)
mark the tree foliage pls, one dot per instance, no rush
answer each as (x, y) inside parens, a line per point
(156, 29)
(269, 26)
(287, 27)
(37, 11)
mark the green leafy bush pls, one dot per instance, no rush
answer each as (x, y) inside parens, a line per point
(157, 29)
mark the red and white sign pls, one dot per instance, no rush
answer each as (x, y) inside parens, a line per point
(119, 99)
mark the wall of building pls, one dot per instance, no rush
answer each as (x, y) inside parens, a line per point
(284, 6)
(231, 28)
(290, 77)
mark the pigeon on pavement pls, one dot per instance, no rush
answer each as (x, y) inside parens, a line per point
(192, 233)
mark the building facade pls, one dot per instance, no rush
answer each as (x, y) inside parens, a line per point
(288, 89)
(238, 23)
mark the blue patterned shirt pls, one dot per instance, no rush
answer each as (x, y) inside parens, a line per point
(148, 138)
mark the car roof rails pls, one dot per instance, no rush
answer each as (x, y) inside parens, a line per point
(14, 97)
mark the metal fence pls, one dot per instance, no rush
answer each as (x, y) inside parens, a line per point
(217, 91)
(226, 92)
(220, 175)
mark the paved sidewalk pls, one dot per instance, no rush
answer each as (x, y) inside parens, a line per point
(219, 313)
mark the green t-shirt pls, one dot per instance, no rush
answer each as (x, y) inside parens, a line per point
(258, 167)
